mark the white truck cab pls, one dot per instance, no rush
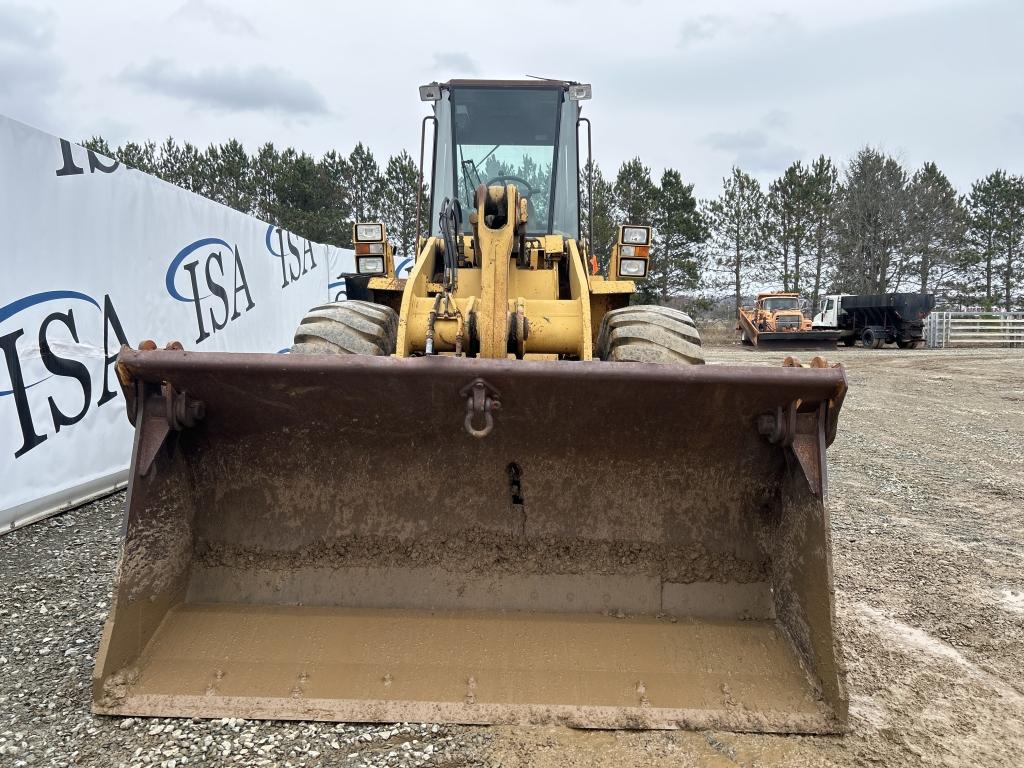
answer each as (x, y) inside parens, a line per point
(828, 311)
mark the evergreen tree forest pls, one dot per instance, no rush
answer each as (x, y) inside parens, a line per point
(866, 225)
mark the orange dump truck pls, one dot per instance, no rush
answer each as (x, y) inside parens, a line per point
(777, 320)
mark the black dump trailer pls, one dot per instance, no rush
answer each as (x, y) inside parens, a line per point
(888, 318)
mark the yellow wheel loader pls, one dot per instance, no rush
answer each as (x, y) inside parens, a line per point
(488, 491)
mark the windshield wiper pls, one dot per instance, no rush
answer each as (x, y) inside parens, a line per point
(468, 165)
(473, 165)
(484, 158)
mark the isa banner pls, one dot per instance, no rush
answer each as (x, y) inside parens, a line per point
(98, 255)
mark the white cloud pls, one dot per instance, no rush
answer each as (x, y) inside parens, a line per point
(217, 16)
(30, 73)
(25, 27)
(753, 150)
(230, 88)
(447, 64)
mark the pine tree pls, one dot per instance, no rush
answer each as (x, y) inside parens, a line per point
(873, 224)
(208, 181)
(335, 171)
(736, 225)
(995, 234)
(265, 165)
(823, 183)
(605, 231)
(142, 157)
(788, 221)
(99, 145)
(679, 232)
(1012, 238)
(193, 164)
(935, 225)
(398, 204)
(363, 181)
(636, 195)
(232, 177)
(169, 166)
(303, 198)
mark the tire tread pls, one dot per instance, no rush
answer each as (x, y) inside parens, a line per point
(650, 334)
(347, 328)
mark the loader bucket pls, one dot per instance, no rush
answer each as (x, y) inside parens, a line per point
(628, 545)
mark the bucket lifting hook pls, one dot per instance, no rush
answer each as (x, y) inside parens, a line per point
(481, 400)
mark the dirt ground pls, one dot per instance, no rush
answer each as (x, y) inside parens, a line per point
(927, 504)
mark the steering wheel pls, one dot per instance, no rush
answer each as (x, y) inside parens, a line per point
(518, 180)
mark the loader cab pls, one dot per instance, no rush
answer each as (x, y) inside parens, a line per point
(502, 132)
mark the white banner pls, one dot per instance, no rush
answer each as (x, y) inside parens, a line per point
(98, 255)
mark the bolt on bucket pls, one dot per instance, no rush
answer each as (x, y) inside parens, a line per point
(476, 541)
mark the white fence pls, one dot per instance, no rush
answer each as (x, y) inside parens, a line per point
(969, 329)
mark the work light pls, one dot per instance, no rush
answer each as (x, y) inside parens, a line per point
(369, 232)
(579, 92)
(632, 267)
(430, 92)
(636, 235)
(370, 265)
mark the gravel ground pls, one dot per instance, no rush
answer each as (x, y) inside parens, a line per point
(927, 483)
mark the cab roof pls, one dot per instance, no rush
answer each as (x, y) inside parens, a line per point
(509, 83)
(778, 294)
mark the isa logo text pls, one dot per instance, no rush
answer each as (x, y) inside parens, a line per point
(46, 340)
(210, 274)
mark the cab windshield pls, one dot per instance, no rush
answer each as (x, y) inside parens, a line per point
(506, 136)
(781, 302)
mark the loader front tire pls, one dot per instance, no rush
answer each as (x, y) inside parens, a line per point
(649, 334)
(347, 328)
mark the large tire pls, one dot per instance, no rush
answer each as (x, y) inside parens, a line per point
(872, 339)
(347, 328)
(910, 343)
(848, 341)
(649, 334)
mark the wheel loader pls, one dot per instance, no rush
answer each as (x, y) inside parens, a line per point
(493, 490)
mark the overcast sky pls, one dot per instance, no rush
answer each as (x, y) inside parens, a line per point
(697, 85)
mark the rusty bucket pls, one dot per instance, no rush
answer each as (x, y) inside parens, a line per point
(476, 541)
